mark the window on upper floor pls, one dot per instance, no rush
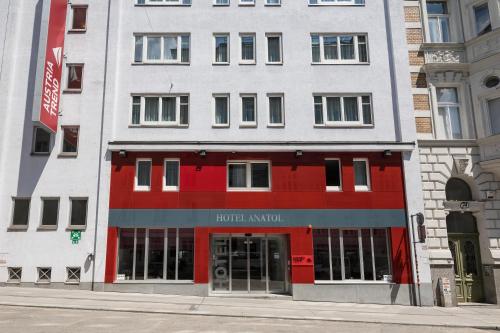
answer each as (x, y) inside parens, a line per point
(164, 49)
(221, 110)
(494, 115)
(439, 25)
(41, 141)
(171, 175)
(482, 19)
(221, 47)
(274, 49)
(70, 140)
(248, 176)
(79, 18)
(143, 170)
(164, 2)
(273, 3)
(248, 110)
(78, 213)
(336, 2)
(248, 54)
(361, 174)
(339, 49)
(168, 110)
(75, 77)
(276, 110)
(221, 2)
(20, 212)
(333, 174)
(50, 212)
(449, 112)
(346, 110)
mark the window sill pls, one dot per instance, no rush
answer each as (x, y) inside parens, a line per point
(72, 282)
(47, 228)
(220, 63)
(276, 125)
(333, 189)
(72, 91)
(40, 154)
(76, 227)
(162, 5)
(243, 63)
(42, 282)
(67, 155)
(161, 63)
(339, 63)
(335, 5)
(246, 5)
(274, 63)
(13, 282)
(248, 125)
(159, 281)
(158, 126)
(220, 126)
(18, 228)
(77, 31)
(221, 5)
(351, 282)
(170, 190)
(148, 189)
(248, 190)
(344, 126)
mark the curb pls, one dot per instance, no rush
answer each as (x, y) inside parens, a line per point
(182, 313)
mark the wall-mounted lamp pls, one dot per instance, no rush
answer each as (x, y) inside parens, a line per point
(422, 234)
(202, 153)
(387, 153)
(123, 153)
(298, 153)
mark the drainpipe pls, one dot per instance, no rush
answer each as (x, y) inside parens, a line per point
(101, 139)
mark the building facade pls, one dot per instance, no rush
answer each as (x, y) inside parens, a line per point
(454, 54)
(216, 155)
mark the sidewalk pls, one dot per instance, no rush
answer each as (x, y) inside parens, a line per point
(481, 317)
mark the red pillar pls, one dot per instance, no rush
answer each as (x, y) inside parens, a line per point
(401, 267)
(111, 255)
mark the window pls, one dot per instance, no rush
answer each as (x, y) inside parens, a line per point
(75, 77)
(70, 140)
(248, 110)
(165, 49)
(143, 175)
(247, 48)
(361, 174)
(439, 26)
(164, 2)
(168, 110)
(494, 115)
(79, 22)
(41, 141)
(351, 254)
(253, 176)
(247, 2)
(156, 254)
(221, 49)
(333, 175)
(350, 110)
(50, 212)
(14, 274)
(449, 112)
(73, 275)
(44, 274)
(221, 110)
(171, 175)
(336, 2)
(221, 2)
(274, 49)
(339, 49)
(20, 212)
(276, 110)
(78, 213)
(273, 3)
(482, 19)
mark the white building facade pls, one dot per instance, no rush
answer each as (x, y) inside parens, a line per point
(222, 147)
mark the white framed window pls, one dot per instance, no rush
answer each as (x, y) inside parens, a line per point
(49, 213)
(221, 49)
(333, 174)
(41, 141)
(335, 2)
(69, 144)
(272, 3)
(44, 274)
(162, 49)
(339, 49)
(20, 213)
(143, 171)
(361, 174)
(494, 115)
(276, 107)
(449, 112)
(78, 213)
(221, 110)
(343, 110)
(221, 2)
(160, 110)
(274, 49)
(352, 254)
(439, 21)
(247, 49)
(14, 274)
(171, 174)
(74, 79)
(78, 18)
(248, 110)
(247, 2)
(482, 18)
(164, 2)
(73, 275)
(248, 176)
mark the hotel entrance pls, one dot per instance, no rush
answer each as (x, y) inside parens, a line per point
(249, 264)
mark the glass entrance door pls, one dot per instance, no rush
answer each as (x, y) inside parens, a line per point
(249, 264)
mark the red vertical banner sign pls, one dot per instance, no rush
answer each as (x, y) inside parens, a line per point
(53, 62)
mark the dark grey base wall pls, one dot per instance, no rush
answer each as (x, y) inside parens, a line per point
(491, 276)
(361, 293)
(188, 289)
(447, 271)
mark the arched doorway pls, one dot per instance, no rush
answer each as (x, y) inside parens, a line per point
(463, 242)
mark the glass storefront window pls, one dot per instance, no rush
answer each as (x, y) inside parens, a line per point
(351, 254)
(152, 254)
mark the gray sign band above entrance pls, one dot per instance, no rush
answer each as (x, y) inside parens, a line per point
(342, 218)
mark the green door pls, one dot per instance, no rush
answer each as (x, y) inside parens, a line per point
(467, 261)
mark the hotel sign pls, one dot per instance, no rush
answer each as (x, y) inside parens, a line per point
(244, 218)
(50, 59)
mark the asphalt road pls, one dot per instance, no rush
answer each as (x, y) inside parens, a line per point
(38, 320)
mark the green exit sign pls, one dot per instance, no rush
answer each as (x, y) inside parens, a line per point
(75, 236)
